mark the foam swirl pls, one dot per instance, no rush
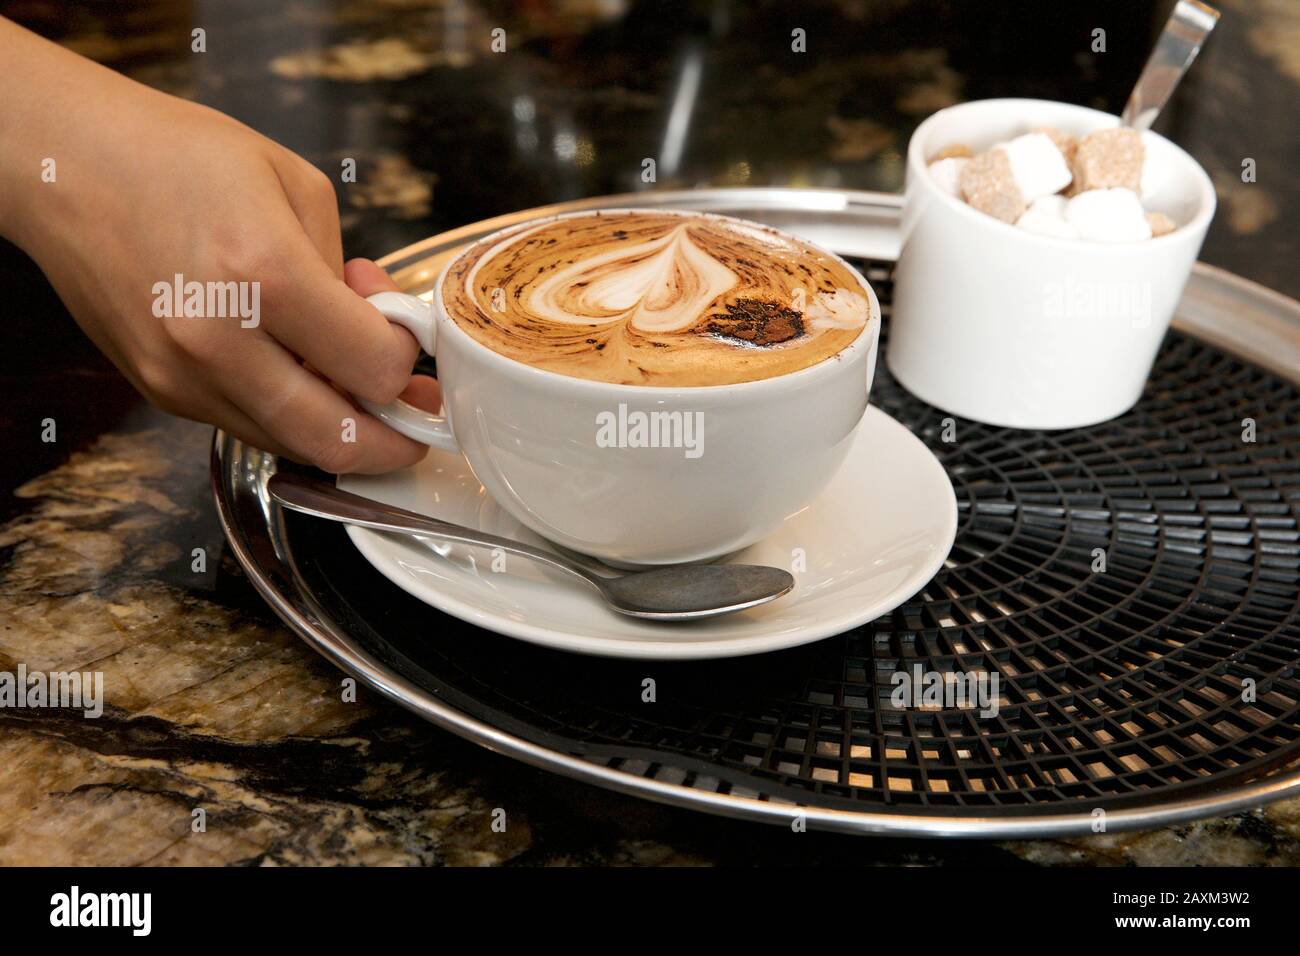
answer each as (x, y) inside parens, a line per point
(655, 299)
(659, 285)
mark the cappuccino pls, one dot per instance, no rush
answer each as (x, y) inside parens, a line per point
(656, 298)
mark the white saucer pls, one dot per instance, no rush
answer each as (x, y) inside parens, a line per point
(875, 537)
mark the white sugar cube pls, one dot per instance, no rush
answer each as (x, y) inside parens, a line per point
(1108, 215)
(1037, 165)
(1046, 217)
(946, 172)
(1156, 170)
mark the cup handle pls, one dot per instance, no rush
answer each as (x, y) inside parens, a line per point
(417, 317)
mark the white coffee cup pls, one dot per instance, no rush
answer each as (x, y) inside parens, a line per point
(547, 446)
(1008, 327)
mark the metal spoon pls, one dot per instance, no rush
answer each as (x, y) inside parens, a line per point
(675, 593)
(1176, 48)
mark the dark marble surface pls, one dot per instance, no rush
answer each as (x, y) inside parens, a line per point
(211, 702)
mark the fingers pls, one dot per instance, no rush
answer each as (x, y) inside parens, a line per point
(337, 332)
(330, 327)
(423, 392)
(309, 419)
(234, 422)
(315, 204)
(366, 278)
(282, 406)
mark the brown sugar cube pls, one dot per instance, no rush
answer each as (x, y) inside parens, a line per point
(955, 151)
(1063, 141)
(1108, 158)
(1160, 224)
(987, 184)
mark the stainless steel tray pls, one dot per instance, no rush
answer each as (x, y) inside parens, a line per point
(1231, 314)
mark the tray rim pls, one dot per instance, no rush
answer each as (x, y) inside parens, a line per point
(328, 639)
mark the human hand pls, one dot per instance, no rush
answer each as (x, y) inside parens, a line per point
(149, 188)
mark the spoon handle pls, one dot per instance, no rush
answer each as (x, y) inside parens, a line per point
(314, 497)
(1179, 42)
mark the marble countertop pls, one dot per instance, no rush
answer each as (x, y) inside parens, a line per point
(212, 704)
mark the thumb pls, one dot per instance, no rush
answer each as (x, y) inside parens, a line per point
(365, 278)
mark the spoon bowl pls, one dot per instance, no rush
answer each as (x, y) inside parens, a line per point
(686, 592)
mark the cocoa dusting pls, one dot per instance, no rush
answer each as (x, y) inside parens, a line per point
(756, 322)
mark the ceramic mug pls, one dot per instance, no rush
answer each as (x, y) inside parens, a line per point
(749, 456)
(1004, 326)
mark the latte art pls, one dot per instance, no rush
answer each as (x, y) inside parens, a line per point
(656, 285)
(645, 298)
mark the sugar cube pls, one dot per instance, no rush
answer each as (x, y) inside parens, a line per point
(987, 183)
(1108, 215)
(947, 173)
(1160, 224)
(954, 151)
(1108, 159)
(1046, 217)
